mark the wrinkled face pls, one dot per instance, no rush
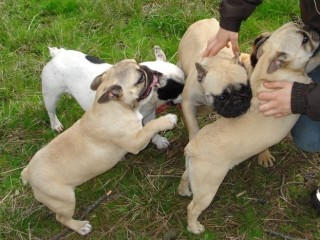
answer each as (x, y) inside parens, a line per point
(296, 44)
(226, 87)
(233, 101)
(126, 81)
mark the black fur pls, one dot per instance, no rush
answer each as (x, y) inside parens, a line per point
(234, 101)
(258, 42)
(170, 91)
(94, 59)
(149, 79)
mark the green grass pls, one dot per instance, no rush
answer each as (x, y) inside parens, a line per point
(149, 206)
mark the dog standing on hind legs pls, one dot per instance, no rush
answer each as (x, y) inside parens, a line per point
(225, 143)
(221, 82)
(111, 128)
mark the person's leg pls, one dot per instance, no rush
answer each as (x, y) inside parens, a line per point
(306, 133)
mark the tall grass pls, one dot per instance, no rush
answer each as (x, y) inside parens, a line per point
(149, 206)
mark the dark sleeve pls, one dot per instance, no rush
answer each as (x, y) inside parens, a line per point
(233, 12)
(305, 99)
(309, 13)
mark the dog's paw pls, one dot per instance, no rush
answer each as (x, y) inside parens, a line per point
(55, 123)
(85, 229)
(58, 128)
(160, 142)
(196, 228)
(172, 120)
(266, 159)
(184, 191)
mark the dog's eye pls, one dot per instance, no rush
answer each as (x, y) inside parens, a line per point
(305, 38)
(142, 78)
(224, 96)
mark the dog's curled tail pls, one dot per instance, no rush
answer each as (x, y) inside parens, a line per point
(25, 176)
(54, 51)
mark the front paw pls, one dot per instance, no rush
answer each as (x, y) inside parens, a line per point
(196, 227)
(170, 121)
(160, 142)
(184, 190)
(85, 229)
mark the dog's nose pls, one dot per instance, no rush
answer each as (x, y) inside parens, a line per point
(236, 100)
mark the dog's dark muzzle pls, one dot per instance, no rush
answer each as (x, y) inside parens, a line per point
(233, 103)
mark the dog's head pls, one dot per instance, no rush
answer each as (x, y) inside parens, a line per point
(226, 86)
(172, 79)
(127, 82)
(291, 47)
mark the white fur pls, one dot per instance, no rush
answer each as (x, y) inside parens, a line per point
(85, 229)
(70, 72)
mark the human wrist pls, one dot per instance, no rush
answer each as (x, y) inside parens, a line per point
(298, 98)
(228, 25)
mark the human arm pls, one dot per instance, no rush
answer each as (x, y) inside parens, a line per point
(221, 40)
(306, 100)
(232, 13)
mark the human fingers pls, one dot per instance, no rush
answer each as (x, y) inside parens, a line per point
(275, 84)
(211, 43)
(266, 96)
(271, 112)
(235, 47)
(213, 48)
(266, 106)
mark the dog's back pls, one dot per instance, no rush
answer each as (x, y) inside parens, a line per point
(194, 42)
(70, 71)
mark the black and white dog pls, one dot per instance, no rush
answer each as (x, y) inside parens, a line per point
(72, 72)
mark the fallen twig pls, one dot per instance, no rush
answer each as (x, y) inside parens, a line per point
(105, 198)
(286, 237)
(12, 170)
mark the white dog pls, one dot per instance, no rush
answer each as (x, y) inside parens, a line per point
(72, 72)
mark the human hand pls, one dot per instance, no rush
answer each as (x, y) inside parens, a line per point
(277, 102)
(221, 40)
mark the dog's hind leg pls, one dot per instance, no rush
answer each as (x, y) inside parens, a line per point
(184, 189)
(184, 186)
(50, 101)
(205, 180)
(61, 200)
(266, 159)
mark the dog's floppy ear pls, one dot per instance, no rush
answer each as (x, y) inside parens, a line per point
(96, 82)
(279, 61)
(114, 92)
(257, 49)
(202, 71)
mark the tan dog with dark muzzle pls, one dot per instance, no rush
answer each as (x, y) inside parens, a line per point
(227, 142)
(111, 128)
(220, 81)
